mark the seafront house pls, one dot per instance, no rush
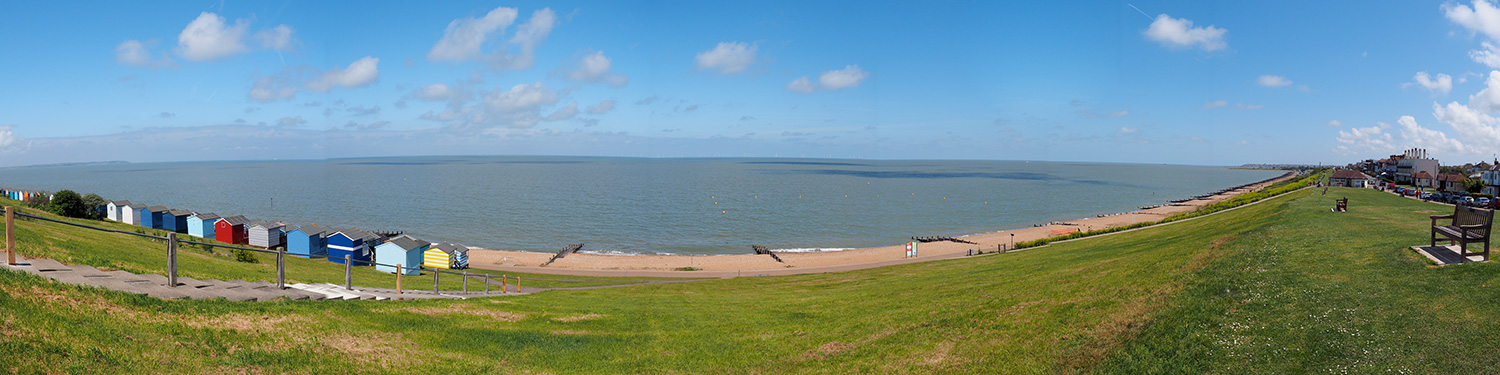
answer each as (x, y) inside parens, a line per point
(201, 225)
(349, 242)
(446, 255)
(1452, 183)
(267, 234)
(1348, 178)
(308, 241)
(231, 229)
(113, 210)
(1491, 179)
(176, 220)
(1415, 161)
(130, 213)
(152, 217)
(1421, 179)
(403, 251)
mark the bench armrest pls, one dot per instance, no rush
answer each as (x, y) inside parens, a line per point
(1435, 217)
(1473, 226)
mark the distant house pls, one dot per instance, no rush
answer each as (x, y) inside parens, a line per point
(176, 220)
(446, 255)
(309, 241)
(231, 229)
(1491, 178)
(1452, 183)
(403, 251)
(351, 242)
(112, 210)
(1415, 161)
(131, 213)
(152, 217)
(1421, 179)
(201, 225)
(1347, 178)
(267, 234)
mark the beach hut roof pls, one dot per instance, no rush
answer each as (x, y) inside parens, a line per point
(268, 224)
(236, 220)
(121, 203)
(157, 209)
(451, 248)
(137, 206)
(408, 243)
(310, 229)
(180, 212)
(207, 216)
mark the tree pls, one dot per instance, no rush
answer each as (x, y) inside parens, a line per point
(41, 200)
(95, 204)
(68, 203)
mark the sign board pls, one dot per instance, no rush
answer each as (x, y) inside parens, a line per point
(911, 249)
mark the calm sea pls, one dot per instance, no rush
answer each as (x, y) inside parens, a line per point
(629, 205)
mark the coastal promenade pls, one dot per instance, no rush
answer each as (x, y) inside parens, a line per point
(723, 266)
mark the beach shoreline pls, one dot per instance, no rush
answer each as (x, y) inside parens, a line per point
(587, 264)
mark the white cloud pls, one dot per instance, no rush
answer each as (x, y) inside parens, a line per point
(1364, 140)
(563, 113)
(1129, 130)
(595, 68)
(1180, 33)
(1273, 81)
(1215, 104)
(849, 76)
(528, 35)
(1489, 56)
(1422, 137)
(1119, 114)
(7, 136)
(728, 57)
(436, 91)
(1488, 99)
(359, 73)
(1441, 85)
(291, 121)
(1483, 18)
(271, 88)
(277, 38)
(602, 108)
(209, 38)
(1248, 107)
(136, 53)
(519, 107)
(802, 85)
(1335, 123)
(1480, 129)
(465, 36)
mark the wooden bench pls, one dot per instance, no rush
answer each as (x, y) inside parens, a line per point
(1467, 225)
(1341, 205)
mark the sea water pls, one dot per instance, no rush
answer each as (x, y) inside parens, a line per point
(647, 206)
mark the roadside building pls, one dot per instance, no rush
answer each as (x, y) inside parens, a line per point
(1452, 183)
(1347, 178)
(201, 225)
(403, 251)
(1415, 161)
(1422, 179)
(1491, 179)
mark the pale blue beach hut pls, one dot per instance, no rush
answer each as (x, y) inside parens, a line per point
(201, 225)
(404, 251)
(309, 241)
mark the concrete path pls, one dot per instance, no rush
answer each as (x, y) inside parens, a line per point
(235, 290)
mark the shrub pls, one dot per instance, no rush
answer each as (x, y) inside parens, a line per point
(246, 256)
(68, 203)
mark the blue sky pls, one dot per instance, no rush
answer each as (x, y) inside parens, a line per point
(1149, 81)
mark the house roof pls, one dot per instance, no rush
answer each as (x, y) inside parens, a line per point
(236, 220)
(1421, 174)
(1348, 174)
(207, 216)
(408, 243)
(1450, 177)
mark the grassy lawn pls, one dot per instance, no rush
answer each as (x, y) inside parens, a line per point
(1280, 286)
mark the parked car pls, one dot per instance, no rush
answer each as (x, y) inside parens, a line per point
(1426, 195)
(1482, 202)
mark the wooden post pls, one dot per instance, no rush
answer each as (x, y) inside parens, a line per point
(518, 284)
(280, 268)
(348, 276)
(10, 235)
(466, 281)
(398, 279)
(172, 259)
(435, 274)
(503, 287)
(486, 283)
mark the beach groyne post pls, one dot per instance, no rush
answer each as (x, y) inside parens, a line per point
(348, 275)
(172, 259)
(399, 270)
(281, 268)
(10, 235)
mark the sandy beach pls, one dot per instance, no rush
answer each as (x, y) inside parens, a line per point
(584, 264)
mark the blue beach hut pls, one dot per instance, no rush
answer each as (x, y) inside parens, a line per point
(309, 241)
(151, 217)
(348, 242)
(404, 251)
(201, 225)
(176, 220)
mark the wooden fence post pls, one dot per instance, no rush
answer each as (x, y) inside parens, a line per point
(486, 283)
(281, 268)
(504, 288)
(398, 278)
(10, 235)
(348, 276)
(435, 274)
(172, 259)
(518, 284)
(466, 281)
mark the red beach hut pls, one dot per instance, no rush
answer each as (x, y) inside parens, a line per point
(231, 230)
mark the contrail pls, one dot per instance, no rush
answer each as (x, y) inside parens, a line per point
(1143, 13)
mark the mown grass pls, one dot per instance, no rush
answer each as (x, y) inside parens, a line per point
(1276, 287)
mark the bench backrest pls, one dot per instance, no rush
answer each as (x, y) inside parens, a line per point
(1463, 215)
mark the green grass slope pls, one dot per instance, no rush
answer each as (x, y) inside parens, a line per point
(1280, 286)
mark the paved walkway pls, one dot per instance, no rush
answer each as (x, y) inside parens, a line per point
(236, 290)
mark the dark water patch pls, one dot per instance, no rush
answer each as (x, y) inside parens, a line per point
(539, 162)
(806, 163)
(1026, 176)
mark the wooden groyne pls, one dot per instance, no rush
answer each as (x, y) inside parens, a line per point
(937, 238)
(564, 252)
(762, 250)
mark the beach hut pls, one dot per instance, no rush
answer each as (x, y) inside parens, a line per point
(349, 242)
(308, 241)
(446, 255)
(176, 220)
(201, 225)
(231, 229)
(153, 217)
(404, 251)
(113, 208)
(267, 234)
(131, 213)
